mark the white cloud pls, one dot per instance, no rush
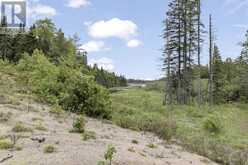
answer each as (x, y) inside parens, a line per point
(134, 43)
(39, 10)
(87, 23)
(94, 46)
(77, 3)
(105, 63)
(123, 29)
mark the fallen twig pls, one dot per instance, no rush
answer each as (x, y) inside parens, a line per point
(6, 158)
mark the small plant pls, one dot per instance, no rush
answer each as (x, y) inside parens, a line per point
(40, 127)
(6, 144)
(78, 125)
(135, 141)
(151, 145)
(4, 117)
(18, 148)
(131, 149)
(108, 156)
(20, 127)
(49, 149)
(87, 135)
(212, 124)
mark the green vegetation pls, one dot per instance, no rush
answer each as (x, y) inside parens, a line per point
(135, 141)
(4, 117)
(6, 144)
(215, 132)
(20, 127)
(87, 135)
(108, 156)
(78, 125)
(49, 149)
(40, 127)
(152, 146)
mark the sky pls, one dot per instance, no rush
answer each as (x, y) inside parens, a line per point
(124, 35)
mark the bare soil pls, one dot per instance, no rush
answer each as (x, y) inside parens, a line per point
(72, 150)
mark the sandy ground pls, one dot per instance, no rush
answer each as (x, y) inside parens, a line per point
(72, 150)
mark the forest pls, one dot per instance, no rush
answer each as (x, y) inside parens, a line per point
(198, 105)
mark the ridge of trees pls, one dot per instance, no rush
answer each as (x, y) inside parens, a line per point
(43, 35)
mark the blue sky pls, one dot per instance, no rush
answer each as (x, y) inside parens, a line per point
(124, 35)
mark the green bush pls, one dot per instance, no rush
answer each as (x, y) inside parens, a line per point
(78, 125)
(212, 124)
(64, 84)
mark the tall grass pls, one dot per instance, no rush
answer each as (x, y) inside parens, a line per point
(220, 132)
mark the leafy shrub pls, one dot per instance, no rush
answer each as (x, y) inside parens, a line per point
(49, 149)
(65, 85)
(20, 127)
(108, 156)
(78, 125)
(212, 124)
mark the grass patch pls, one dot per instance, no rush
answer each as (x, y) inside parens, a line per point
(151, 145)
(20, 127)
(215, 132)
(40, 127)
(87, 135)
(49, 149)
(135, 141)
(6, 144)
(4, 117)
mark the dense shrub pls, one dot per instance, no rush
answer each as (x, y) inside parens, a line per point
(212, 124)
(64, 84)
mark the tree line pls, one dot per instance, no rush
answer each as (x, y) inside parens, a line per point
(44, 36)
(187, 80)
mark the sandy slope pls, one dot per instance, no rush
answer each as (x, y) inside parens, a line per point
(72, 150)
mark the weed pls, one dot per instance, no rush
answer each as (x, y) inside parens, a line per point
(87, 135)
(108, 156)
(78, 125)
(151, 145)
(20, 127)
(131, 149)
(212, 124)
(6, 144)
(4, 117)
(49, 149)
(135, 141)
(40, 127)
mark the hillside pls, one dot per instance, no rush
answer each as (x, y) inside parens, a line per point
(23, 121)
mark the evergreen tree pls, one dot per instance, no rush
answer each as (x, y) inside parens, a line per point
(218, 79)
(181, 45)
